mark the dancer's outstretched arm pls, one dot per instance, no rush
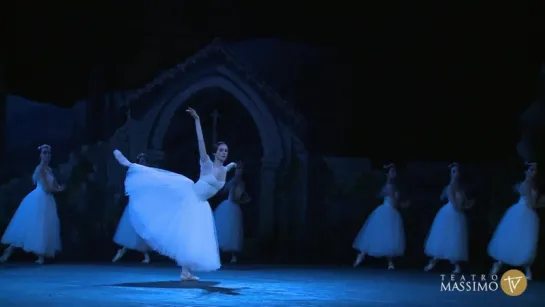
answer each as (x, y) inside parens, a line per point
(200, 138)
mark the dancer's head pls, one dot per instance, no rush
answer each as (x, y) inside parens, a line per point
(531, 170)
(142, 159)
(391, 171)
(454, 171)
(45, 153)
(221, 151)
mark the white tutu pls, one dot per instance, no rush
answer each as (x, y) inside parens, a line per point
(35, 225)
(126, 236)
(228, 218)
(448, 237)
(515, 239)
(382, 235)
(172, 215)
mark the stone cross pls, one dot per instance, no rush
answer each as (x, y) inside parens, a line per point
(215, 116)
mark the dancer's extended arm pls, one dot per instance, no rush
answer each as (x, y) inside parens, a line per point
(200, 138)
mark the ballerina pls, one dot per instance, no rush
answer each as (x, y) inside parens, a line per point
(35, 225)
(125, 235)
(448, 238)
(515, 240)
(171, 212)
(228, 216)
(383, 235)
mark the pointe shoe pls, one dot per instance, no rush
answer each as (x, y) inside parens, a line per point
(528, 274)
(188, 277)
(121, 158)
(5, 256)
(391, 266)
(359, 259)
(119, 255)
(146, 259)
(40, 260)
(457, 269)
(495, 269)
(234, 259)
(429, 267)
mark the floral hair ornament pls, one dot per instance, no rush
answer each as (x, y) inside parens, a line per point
(44, 147)
(454, 164)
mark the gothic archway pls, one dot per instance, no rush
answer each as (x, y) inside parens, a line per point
(269, 133)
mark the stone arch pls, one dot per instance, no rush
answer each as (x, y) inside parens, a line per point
(269, 132)
(271, 140)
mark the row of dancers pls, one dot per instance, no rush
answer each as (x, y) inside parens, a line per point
(167, 212)
(170, 214)
(514, 241)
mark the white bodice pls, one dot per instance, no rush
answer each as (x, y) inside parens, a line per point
(208, 184)
(49, 177)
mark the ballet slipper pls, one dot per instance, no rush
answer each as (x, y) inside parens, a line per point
(146, 259)
(40, 260)
(359, 259)
(120, 253)
(121, 158)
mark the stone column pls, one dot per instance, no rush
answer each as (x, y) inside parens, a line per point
(269, 169)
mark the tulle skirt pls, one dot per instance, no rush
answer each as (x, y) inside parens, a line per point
(126, 236)
(171, 219)
(515, 240)
(35, 225)
(382, 235)
(448, 237)
(229, 226)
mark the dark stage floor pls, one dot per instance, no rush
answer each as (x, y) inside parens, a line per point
(123, 285)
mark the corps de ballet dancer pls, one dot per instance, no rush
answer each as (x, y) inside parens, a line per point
(35, 225)
(383, 234)
(448, 235)
(171, 212)
(515, 240)
(228, 215)
(126, 236)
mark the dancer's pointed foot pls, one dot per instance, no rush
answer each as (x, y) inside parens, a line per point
(233, 259)
(121, 158)
(146, 259)
(187, 276)
(495, 268)
(528, 273)
(120, 253)
(391, 265)
(40, 260)
(7, 253)
(359, 259)
(430, 266)
(457, 269)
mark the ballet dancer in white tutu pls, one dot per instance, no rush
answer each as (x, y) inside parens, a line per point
(171, 212)
(35, 225)
(516, 236)
(448, 238)
(228, 216)
(125, 235)
(383, 235)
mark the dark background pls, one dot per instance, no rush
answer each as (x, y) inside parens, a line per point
(441, 81)
(419, 81)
